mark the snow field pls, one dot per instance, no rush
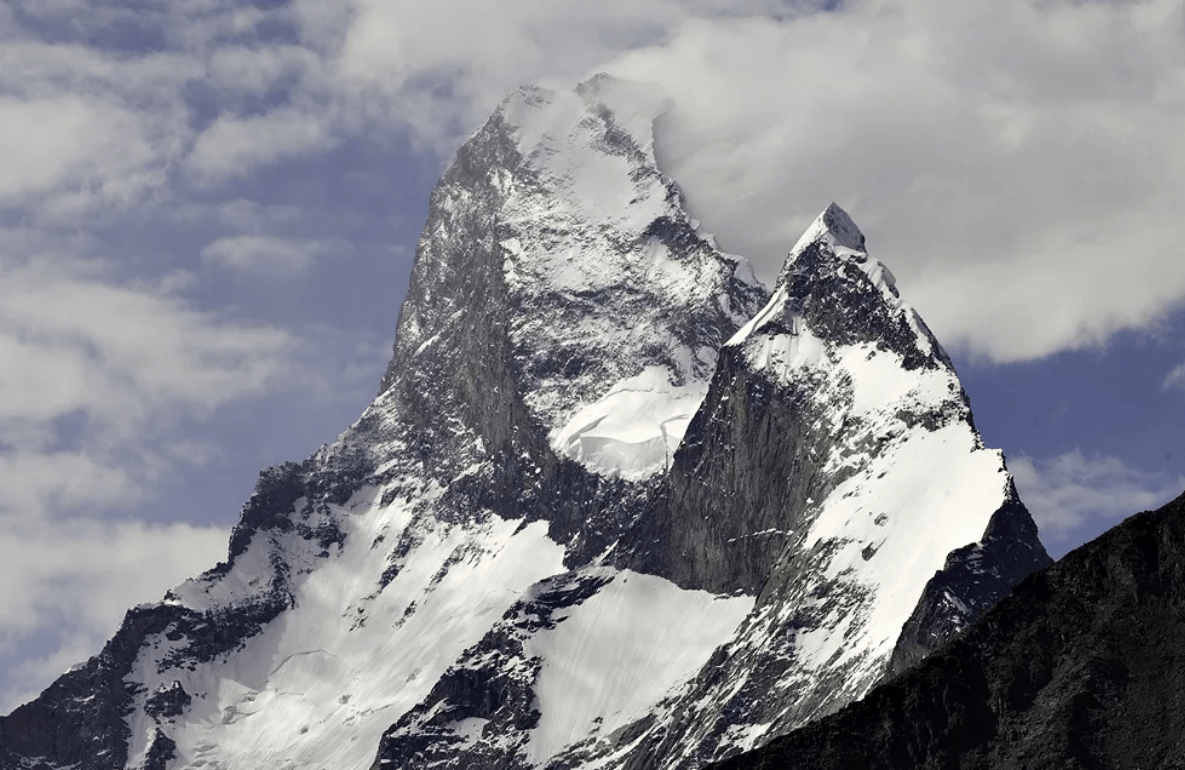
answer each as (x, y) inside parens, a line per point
(316, 688)
(615, 656)
(898, 519)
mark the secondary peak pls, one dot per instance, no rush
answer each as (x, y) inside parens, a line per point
(833, 227)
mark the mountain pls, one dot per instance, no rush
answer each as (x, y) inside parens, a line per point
(615, 504)
(1079, 667)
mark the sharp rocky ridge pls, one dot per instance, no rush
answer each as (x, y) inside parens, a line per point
(615, 505)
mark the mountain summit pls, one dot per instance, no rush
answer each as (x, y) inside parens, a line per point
(614, 506)
(833, 227)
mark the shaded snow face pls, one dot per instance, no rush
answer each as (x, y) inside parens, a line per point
(616, 656)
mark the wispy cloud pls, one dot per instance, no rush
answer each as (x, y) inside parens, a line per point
(1071, 490)
(269, 255)
(120, 353)
(1175, 378)
(233, 147)
(50, 143)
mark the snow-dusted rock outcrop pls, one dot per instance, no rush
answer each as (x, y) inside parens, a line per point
(614, 506)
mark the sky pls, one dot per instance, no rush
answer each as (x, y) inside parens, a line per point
(208, 212)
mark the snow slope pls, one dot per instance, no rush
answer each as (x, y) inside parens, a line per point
(619, 653)
(321, 683)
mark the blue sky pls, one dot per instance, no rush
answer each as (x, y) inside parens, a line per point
(208, 213)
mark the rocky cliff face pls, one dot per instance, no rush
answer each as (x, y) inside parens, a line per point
(614, 505)
(1079, 667)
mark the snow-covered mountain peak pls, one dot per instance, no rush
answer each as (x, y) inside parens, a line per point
(833, 227)
(831, 288)
(575, 529)
(621, 305)
(863, 478)
(556, 230)
(834, 235)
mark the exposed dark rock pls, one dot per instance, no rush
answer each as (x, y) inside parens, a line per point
(168, 701)
(1079, 667)
(839, 303)
(974, 579)
(491, 685)
(79, 719)
(161, 752)
(741, 469)
(270, 506)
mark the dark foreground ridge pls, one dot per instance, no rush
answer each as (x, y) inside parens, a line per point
(1081, 666)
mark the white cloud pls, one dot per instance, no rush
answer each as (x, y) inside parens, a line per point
(95, 376)
(1175, 378)
(1016, 163)
(120, 353)
(258, 70)
(67, 140)
(81, 128)
(60, 480)
(440, 68)
(269, 255)
(234, 146)
(1072, 490)
(38, 69)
